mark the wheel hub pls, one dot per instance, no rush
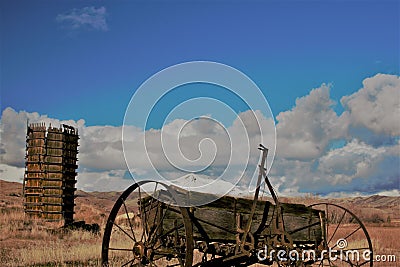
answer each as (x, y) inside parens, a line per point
(138, 250)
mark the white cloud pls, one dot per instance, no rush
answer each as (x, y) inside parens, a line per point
(101, 154)
(305, 131)
(105, 181)
(355, 160)
(11, 173)
(345, 194)
(91, 18)
(376, 106)
(390, 193)
(203, 144)
(305, 162)
(101, 147)
(13, 133)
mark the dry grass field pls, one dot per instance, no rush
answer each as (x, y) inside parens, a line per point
(24, 242)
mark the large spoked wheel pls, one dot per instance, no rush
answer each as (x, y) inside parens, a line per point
(345, 240)
(143, 231)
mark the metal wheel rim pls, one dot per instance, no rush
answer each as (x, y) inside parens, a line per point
(330, 235)
(120, 204)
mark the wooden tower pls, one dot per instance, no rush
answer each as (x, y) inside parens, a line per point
(50, 172)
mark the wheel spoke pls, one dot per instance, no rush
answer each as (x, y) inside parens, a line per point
(158, 205)
(129, 220)
(359, 227)
(128, 262)
(157, 246)
(341, 219)
(172, 230)
(330, 263)
(154, 226)
(151, 262)
(142, 209)
(176, 241)
(119, 227)
(349, 225)
(154, 234)
(120, 249)
(160, 223)
(327, 221)
(365, 262)
(352, 233)
(153, 195)
(349, 262)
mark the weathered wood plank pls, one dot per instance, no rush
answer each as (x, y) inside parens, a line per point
(218, 218)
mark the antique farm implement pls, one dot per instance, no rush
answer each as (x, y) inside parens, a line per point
(147, 228)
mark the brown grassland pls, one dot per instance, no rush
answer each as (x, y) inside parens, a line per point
(26, 242)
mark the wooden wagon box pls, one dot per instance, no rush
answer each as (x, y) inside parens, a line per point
(219, 221)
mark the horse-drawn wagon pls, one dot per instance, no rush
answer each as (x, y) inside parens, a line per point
(229, 231)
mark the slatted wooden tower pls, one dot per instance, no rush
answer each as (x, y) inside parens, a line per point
(50, 172)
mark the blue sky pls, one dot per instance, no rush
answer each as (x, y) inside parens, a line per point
(287, 48)
(329, 70)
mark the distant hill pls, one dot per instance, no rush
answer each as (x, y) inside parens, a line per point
(94, 207)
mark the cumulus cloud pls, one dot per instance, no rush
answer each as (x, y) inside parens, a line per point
(376, 106)
(355, 160)
(111, 180)
(101, 148)
(90, 18)
(368, 161)
(13, 133)
(11, 173)
(202, 146)
(305, 131)
(306, 160)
